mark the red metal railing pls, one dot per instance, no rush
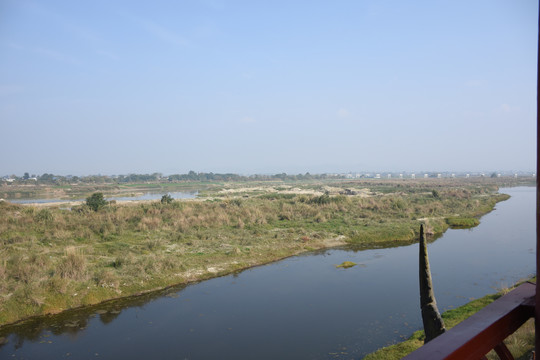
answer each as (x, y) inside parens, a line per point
(483, 331)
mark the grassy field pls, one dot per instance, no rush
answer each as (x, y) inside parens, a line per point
(520, 343)
(54, 258)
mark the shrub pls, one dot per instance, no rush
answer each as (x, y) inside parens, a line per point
(73, 265)
(44, 215)
(321, 200)
(106, 278)
(235, 202)
(166, 199)
(96, 201)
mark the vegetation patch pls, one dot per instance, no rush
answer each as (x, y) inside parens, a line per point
(103, 250)
(462, 222)
(346, 264)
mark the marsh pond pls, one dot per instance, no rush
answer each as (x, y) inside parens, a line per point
(133, 197)
(303, 307)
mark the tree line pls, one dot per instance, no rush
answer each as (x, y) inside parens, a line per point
(47, 178)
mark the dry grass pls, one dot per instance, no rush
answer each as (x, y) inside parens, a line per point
(520, 343)
(48, 254)
(73, 265)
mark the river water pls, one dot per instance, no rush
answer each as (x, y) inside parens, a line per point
(298, 308)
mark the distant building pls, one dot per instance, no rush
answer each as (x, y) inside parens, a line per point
(401, 176)
(468, 176)
(413, 176)
(389, 176)
(425, 176)
(439, 176)
(377, 176)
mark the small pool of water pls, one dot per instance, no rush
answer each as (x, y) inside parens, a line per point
(145, 196)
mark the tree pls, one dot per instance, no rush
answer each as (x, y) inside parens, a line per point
(46, 178)
(433, 322)
(96, 201)
(26, 176)
(166, 199)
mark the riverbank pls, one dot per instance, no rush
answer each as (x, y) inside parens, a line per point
(520, 343)
(55, 259)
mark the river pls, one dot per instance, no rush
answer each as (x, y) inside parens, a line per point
(298, 308)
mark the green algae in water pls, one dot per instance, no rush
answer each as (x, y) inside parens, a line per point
(346, 264)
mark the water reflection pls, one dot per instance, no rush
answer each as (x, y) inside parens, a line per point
(73, 321)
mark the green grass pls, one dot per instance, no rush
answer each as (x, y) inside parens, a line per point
(462, 223)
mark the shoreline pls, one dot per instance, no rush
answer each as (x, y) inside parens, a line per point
(290, 239)
(452, 317)
(206, 276)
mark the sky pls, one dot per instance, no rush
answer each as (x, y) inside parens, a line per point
(258, 87)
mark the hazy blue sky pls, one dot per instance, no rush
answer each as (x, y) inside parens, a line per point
(114, 87)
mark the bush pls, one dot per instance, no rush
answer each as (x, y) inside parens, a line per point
(166, 199)
(321, 200)
(72, 266)
(44, 215)
(96, 201)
